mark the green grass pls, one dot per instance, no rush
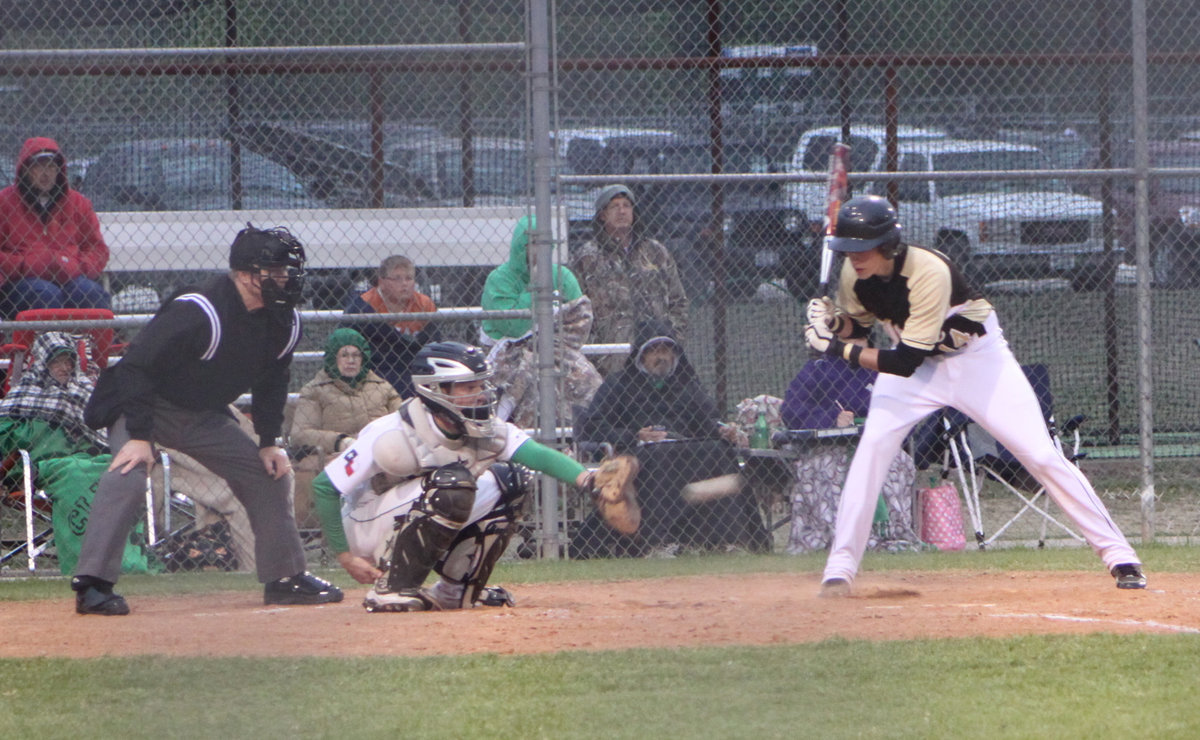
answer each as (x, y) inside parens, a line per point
(1094, 686)
(1047, 686)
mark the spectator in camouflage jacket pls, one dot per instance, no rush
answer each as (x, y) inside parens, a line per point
(516, 361)
(628, 276)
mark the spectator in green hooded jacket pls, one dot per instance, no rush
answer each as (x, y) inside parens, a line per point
(510, 286)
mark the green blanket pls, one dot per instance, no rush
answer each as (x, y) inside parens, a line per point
(71, 482)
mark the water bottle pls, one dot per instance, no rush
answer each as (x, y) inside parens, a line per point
(762, 432)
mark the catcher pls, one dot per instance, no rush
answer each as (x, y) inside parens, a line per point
(438, 485)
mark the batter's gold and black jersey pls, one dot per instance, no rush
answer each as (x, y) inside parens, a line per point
(927, 304)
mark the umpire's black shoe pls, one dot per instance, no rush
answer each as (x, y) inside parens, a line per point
(1129, 575)
(304, 588)
(93, 596)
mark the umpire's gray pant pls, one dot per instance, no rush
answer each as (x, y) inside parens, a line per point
(214, 439)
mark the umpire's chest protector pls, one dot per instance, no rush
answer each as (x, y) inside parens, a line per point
(433, 449)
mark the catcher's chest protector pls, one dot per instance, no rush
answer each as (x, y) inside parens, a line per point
(433, 450)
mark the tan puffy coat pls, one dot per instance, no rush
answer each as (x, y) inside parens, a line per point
(328, 408)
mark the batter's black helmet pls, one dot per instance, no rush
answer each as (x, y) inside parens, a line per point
(864, 223)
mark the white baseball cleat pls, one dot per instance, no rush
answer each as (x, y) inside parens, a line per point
(405, 600)
(835, 588)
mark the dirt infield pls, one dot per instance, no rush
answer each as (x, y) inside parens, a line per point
(674, 612)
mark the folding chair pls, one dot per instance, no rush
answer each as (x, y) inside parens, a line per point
(95, 347)
(969, 451)
(39, 530)
(101, 340)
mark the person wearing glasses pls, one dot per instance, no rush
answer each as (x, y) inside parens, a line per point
(342, 398)
(395, 344)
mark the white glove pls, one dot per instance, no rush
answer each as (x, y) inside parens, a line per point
(820, 311)
(820, 338)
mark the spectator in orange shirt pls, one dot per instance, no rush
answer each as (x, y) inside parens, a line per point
(393, 345)
(51, 249)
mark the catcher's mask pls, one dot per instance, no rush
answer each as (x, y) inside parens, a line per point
(436, 372)
(263, 251)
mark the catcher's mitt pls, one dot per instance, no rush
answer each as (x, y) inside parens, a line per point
(614, 493)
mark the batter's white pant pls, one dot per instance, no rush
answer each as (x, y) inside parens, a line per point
(985, 382)
(369, 525)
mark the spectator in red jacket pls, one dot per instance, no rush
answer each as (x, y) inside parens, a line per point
(51, 250)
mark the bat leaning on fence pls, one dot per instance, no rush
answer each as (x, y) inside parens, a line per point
(839, 188)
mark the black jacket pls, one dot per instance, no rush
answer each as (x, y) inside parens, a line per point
(200, 352)
(631, 399)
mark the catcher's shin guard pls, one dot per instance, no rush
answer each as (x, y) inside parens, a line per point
(431, 526)
(478, 547)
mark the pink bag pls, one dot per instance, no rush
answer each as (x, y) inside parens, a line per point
(941, 517)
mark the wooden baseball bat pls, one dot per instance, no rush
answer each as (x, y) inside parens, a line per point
(839, 187)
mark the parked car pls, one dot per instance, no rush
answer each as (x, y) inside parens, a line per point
(867, 151)
(1174, 210)
(680, 213)
(334, 159)
(502, 170)
(806, 200)
(188, 175)
(993, 227)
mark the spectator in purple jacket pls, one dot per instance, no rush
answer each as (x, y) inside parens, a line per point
(827, 394)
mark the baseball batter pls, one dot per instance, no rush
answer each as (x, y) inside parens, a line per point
(948, 350)
(433, 486)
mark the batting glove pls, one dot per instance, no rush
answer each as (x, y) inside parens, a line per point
(819, 310)
(822, 311)
(820, 338)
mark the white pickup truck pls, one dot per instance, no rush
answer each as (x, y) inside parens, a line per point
(993, 228)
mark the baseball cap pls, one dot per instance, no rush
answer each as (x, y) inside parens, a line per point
(44, 154)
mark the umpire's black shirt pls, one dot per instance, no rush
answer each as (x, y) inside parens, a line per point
(202, 351)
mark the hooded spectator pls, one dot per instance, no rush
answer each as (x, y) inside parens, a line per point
(51, 250)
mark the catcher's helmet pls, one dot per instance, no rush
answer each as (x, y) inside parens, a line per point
(864, 223)
(440, 363)
(256, 249)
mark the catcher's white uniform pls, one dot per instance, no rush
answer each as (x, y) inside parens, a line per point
(412, 444)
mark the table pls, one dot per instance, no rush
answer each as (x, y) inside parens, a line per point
(770, 472)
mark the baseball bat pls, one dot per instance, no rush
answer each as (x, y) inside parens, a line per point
(839, 186)
(710, 489)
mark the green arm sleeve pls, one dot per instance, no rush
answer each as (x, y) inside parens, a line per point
(328, 505)
(541, 458)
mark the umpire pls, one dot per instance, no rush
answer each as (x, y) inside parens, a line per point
(199, 353)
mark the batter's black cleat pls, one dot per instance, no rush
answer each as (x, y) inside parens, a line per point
(835, 588)
(301, 589)
(1129, 575)
(92, 600)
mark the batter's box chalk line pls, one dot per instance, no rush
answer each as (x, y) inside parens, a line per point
(1095, 620)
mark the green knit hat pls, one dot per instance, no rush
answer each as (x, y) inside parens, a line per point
(341, 338)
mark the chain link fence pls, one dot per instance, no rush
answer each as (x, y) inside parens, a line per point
(1050, 148)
